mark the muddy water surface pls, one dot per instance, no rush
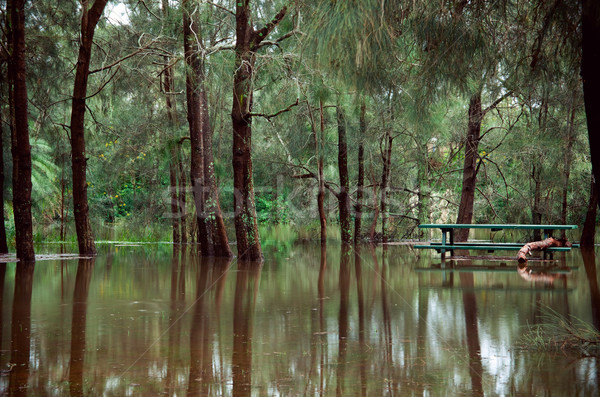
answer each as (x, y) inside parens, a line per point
(150, 320)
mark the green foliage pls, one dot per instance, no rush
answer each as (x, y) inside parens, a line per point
(272, 209)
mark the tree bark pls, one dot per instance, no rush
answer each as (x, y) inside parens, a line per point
(3, 243)
(465, 209)
(536, 212)
(194, 69)
(247, 42)
(568, 160)
(168, 84)
(343, 195)
(588, 234)
(360, 184)
(321, 161)
(182, 198)
(385, 175)
(590, 64)
(21, 149)
(89, 20)
(540, 245)
(219, 239)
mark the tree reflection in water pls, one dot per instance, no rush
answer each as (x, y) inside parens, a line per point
(344, 285)
(85, 268)
(246, 288)
(21, 328)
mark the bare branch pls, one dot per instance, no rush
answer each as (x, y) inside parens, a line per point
(269, 117)
(261, 34)
(120, 60)
(496, 103)
(220, 7)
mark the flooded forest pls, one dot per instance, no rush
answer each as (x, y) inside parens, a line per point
(232, 197)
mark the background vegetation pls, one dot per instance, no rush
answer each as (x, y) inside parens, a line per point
(414, 69)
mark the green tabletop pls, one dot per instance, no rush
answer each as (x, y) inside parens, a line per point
(493, 226)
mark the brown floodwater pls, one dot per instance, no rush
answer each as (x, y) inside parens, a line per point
(151, 320)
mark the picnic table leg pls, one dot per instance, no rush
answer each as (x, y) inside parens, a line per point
(443, 251)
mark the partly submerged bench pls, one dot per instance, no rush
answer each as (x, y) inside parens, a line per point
(448, 244)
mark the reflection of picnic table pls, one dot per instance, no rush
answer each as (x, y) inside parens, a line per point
(448, 243)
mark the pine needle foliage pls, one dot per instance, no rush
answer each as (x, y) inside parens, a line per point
(353, 39)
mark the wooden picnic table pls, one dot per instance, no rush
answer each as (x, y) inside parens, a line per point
(448, 244)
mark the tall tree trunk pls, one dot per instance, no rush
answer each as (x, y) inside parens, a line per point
(194, 69)
(465, 209)
(343, 195)
(167, 83)
(360, 184)
(182, 194)
(568, 160)
(590, 64)
(385, 175)
(247, 42)
(320, 163)
(536, 212)
(21, 149)
(588, 234)
(3, 244)
(219, 239)
(175, 210)
(89, 20)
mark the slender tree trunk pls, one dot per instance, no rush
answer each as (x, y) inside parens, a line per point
(247, 42)
(385, 175)
(89, 20)
(465, 209)
(194, 69)
(173, 124)
(3, 244)
(344, 193)
(590, 64)
(21, 149)
(175, 212)
(360, 184)
(536, 212)
(568, 160)
(219, 239)
(182, 199)
(320, 163)
(588, 234)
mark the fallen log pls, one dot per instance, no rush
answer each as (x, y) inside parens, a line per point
(540, 245)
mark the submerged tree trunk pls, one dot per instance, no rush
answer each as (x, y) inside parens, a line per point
(590, 64)
(89, 20)
(536, 211)
(168, 84)
(182, 200)
(21, 149)
(343, 195)
(321, 161)
(247, 42)
(465, 209)
(3, 244)
(568, 160)
(385, 176)
(588, 234)
(361, 175)
(194, 69)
